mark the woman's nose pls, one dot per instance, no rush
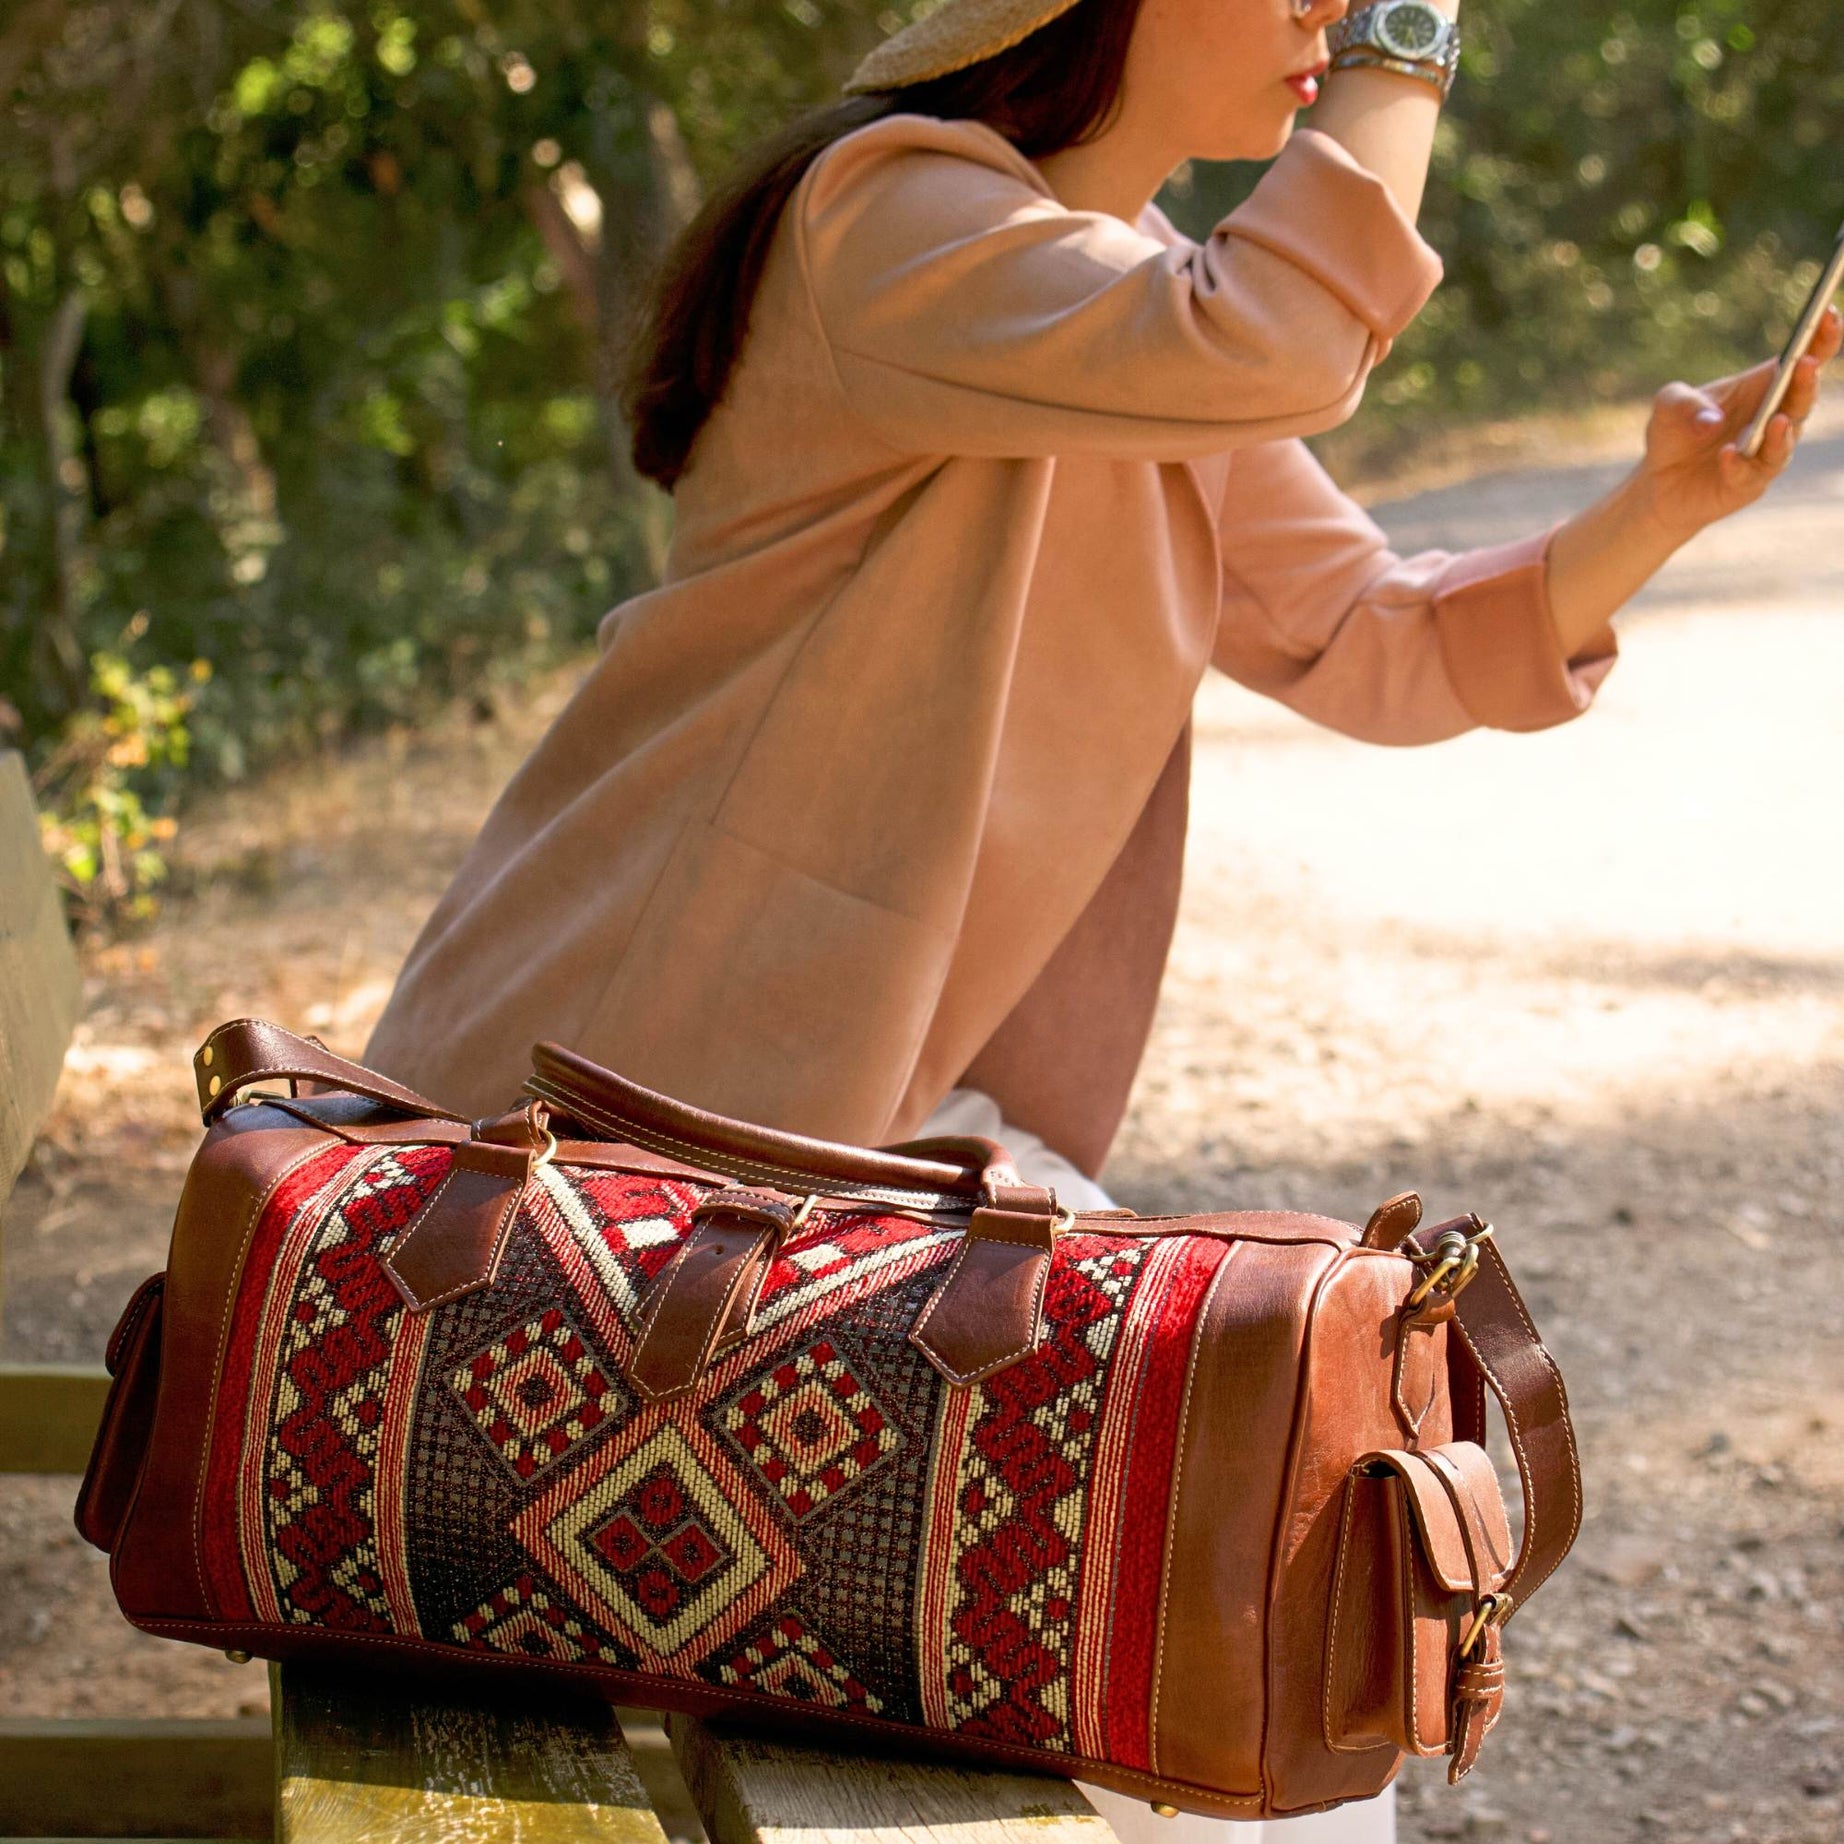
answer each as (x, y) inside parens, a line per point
(1319, 13)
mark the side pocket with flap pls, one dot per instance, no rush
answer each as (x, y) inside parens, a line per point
(133, 1361)
(1422, 1539)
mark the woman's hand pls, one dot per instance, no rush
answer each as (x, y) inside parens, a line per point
(1693, 472)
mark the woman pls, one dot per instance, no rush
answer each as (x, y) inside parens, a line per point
(867, 821)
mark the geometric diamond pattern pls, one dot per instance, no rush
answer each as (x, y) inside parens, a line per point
(809, 1427)
(648, 1536)
(657, 1545)
(790, 1661)
(536, 1392)
(524, 1619)
(819, 1504)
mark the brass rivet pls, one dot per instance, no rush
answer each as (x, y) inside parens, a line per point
(217, 1082)
(236, 1657)
(205, 1056)
(1165, 1811)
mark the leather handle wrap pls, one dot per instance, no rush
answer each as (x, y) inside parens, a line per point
(988, 1312)
(250, 1050)
(1502, 1341)
(711, 1283)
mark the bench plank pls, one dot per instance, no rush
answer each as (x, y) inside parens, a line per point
(48, 1416)
(87, 1778)
(39, 986)
(365, 1757)
(753, 1791)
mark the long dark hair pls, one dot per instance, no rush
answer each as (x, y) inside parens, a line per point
(1056, 87)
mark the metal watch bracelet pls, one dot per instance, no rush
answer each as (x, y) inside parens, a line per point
(1435, 75)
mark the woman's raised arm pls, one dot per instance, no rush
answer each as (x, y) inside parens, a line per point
(1385, 121)
(968, 311)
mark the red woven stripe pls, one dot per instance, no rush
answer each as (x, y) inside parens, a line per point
(1137, 1584)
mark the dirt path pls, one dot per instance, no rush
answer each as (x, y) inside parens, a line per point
(1589, 982)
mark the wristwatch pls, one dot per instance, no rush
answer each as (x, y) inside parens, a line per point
(1407, 36)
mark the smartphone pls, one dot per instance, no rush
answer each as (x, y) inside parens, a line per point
(1802, 336)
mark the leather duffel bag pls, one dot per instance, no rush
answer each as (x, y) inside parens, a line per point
(881, 1442)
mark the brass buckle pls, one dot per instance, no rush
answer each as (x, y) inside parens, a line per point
(549, 1153)
(1493, 1610)
(805, 1211)
(1451, 1264)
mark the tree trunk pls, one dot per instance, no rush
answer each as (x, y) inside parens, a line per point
(68, 492)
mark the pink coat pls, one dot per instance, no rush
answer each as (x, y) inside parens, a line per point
(883, 786)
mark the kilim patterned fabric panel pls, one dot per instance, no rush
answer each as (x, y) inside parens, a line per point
(480, 1474)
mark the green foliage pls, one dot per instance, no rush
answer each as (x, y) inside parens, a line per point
(119, 752)
(312, 315)
(1619, 198)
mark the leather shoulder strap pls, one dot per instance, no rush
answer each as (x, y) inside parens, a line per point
(250, 1050)
(1496, 1328)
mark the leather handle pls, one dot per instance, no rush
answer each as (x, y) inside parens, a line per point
(250, 1050)
(610, 1107)
(1501, 1341)
(709, 1286)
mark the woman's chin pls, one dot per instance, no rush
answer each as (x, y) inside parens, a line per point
(1247, 141)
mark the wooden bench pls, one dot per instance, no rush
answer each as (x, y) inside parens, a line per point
(353, 1758)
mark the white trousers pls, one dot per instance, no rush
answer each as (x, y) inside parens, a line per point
(1366, 1821)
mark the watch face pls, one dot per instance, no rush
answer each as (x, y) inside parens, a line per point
(1409, 29)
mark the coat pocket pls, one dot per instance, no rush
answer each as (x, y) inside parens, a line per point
(133, 1360)
(1424, 1548)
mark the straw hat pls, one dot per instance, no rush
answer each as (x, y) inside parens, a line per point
(956, 33)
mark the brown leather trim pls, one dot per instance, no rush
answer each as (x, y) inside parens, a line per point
(759, 1708)
(714, 1280)
(1418, 1375)
(1478, 1699)
(116, 1456)
(1437, 1515)
(988, 1311)
(1208, 1701)
(1392, 1220)
(250, 1050)
(454, 1243)
(1472, 1483)
(1491, 1318)
(1365, 1697)
(156, 1567)
(1345, 1409)
(1423, 1536)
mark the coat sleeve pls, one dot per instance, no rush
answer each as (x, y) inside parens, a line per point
(967, 311)
(1321, 614)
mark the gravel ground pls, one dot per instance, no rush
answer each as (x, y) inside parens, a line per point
(1589, 982)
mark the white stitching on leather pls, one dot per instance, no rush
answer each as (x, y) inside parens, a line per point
(474, 1282)
(963, 1377)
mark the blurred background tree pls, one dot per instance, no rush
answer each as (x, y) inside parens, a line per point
(311, 319)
